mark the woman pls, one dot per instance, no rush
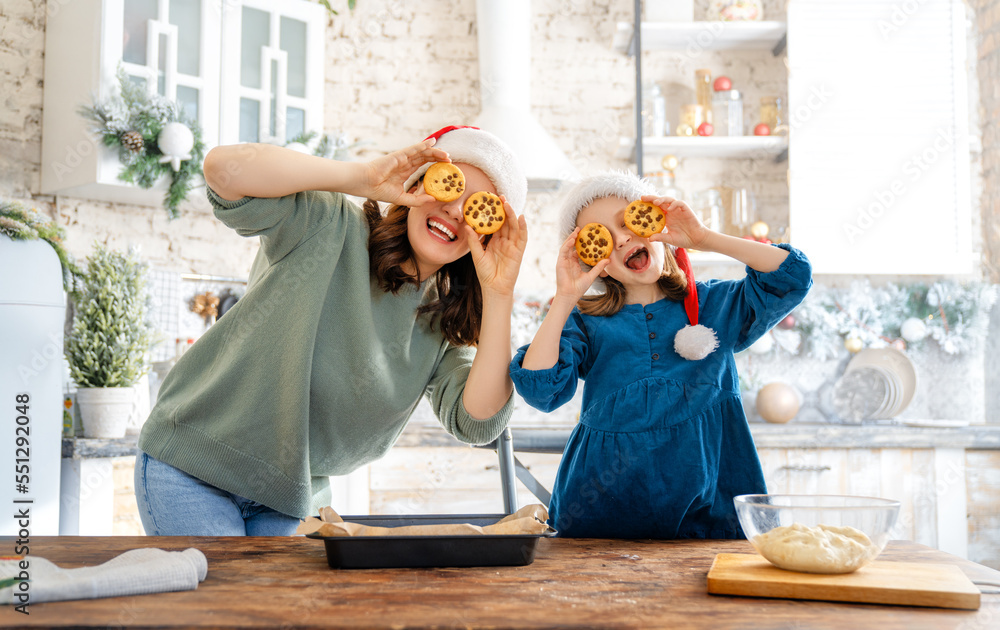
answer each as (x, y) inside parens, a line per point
(349, 318)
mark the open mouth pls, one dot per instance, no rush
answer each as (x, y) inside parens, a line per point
(638, 260)
(440, 230)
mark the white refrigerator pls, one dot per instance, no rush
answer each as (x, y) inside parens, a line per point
(32, 313)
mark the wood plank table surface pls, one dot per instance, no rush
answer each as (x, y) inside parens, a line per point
(588, 583)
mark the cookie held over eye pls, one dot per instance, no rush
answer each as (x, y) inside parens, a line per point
(593, 243)
(444, 181)
(644, 219)
(484, 212)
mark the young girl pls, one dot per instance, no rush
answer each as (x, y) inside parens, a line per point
(349, 318)
(662, 445)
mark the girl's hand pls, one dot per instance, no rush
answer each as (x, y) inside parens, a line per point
(572, 281)
(497, 264)
(385, 176)
(683, 229)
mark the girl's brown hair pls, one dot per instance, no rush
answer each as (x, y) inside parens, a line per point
(672, 282)
(459, 306)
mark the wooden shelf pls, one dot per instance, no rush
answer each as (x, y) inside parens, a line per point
(703, 36)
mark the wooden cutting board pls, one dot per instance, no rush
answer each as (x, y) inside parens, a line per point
(900, 583)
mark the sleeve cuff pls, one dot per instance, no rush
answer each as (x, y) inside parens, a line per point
(478, 432)
(795, 272)
(224, 204)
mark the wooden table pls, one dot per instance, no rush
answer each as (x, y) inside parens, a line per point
(286, 582)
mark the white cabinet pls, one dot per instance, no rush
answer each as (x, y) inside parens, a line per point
(273, 53)
(245, 70)
(879, 163)
(879, 167)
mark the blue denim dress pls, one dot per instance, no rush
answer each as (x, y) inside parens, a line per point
(663, 444)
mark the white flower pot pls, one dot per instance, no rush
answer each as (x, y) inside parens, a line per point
(104, 411)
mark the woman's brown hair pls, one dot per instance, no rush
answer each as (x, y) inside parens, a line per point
(672, 282)
(459, 306)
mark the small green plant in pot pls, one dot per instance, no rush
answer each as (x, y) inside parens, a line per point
(111, 336)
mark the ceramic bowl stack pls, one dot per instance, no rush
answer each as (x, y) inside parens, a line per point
(877, 384)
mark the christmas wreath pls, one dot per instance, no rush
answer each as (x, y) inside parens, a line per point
(154, 139)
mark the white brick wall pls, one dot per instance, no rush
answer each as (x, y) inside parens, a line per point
(396, 71)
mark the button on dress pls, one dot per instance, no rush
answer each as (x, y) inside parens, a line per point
(663, 444)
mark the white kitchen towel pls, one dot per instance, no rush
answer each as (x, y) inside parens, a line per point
(134, 572)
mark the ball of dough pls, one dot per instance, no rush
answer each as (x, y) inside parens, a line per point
(820, 549)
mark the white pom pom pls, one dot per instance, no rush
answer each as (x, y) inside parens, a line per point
(695, 342)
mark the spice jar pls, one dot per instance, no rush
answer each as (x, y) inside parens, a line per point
(727, 110)
(703, 93)
(691, 117)
(772, 114)
(654, 111)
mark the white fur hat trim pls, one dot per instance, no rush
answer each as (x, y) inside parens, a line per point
(489, 154)
(621, 184)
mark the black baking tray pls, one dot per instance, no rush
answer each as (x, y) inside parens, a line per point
(390, 552)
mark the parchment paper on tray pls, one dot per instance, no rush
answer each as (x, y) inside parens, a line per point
(528, 520)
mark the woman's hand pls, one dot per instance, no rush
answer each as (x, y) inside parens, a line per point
(684, 228)
(385, 176)
(498, 264)
(572, 281)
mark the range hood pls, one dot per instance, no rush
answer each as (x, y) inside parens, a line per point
(505, 88)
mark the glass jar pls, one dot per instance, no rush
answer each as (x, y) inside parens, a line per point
(735, 10)
(772, 114)
(710, 209)
(727, 110)
(703, 93)
(666, 184)
(691, 117)
(654, 111)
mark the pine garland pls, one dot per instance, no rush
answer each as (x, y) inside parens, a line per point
(134, 109)
(26, 224)
(956, 316)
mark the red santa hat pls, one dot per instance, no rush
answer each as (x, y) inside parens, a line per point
(488, 153)
(693, 342)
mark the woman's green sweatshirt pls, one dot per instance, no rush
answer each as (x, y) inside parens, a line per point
(315, 370)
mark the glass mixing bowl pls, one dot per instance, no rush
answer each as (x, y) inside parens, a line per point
(816, 533)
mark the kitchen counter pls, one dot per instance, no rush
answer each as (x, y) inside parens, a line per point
(792, 435)
(286, 582)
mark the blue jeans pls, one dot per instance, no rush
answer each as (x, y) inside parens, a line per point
(173, 503)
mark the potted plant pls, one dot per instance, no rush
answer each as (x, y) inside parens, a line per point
(111, 336)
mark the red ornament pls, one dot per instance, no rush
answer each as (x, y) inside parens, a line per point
(788, 323)
(722, 83)
(761, 130)
(705, 129)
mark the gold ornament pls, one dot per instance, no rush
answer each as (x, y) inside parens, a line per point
(132, 140)
(759, 229)
(778, 402)
(669, 162)
(206, 305)
(684, 129)
(854, 345)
